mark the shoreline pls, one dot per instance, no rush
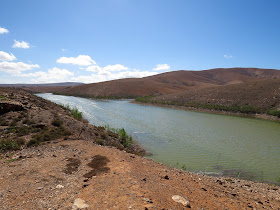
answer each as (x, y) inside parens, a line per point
(262, 116)
(210, 111)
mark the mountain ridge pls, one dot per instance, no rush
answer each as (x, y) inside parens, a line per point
(170, 82)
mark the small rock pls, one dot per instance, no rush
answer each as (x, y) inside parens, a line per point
(59, 186)
(1, 195)
(79, 204)
(180, 199)
(166, 177)
(203, 189)
(148, 200)
(39, 188)
(250, 206)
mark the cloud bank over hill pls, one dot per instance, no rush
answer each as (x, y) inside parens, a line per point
(79, 68)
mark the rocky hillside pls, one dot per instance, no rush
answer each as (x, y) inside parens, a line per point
(257, 97)
(27, 120)
(262, 94)
(170, 82)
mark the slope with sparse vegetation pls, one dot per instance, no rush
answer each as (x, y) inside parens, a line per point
(169, 83)
(27, 120)
(258, 97)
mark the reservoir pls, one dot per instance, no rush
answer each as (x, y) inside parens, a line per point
(205, 143)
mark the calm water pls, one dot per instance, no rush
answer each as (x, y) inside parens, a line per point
(199, 142)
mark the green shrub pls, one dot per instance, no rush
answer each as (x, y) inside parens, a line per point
(145, 99)
(125, 139)
(20, 141)
(9, 144)
(52, 134)
(3, 98)
(33, 142)
(22, 131)
(273, 112)
(57, 123)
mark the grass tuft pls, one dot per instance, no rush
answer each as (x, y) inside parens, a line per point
(126, 140)
(74, 112)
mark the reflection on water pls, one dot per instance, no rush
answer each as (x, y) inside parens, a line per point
(199, 142)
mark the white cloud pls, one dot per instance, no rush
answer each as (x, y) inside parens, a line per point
(109, 68)
(228, 56)
(52, 75)
(116, 67)
(16, 68)
(81, 60)
(6, 56)
(94, 68)
(107, 75)
(22, 44)
(3, 30)
(161, 67)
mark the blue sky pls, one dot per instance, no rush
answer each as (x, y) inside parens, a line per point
(93, 41)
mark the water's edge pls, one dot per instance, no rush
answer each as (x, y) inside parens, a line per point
(152, 127)
(211, 111)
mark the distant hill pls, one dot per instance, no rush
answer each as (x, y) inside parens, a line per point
(171, 82)
(45, 88)
(43, 85)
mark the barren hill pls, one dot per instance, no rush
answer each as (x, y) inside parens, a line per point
(171, 82)
(43, 84)
(263, 95)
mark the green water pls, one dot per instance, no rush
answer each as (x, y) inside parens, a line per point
(198, 142)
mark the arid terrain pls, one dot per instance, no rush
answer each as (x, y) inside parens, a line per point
(261, 94)
(45, 88)
(170, 82)
(257, 98)
(234, 90)
(50, 160)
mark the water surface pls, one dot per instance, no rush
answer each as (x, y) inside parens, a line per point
(199, 142)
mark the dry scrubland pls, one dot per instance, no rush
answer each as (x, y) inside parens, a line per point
(170, 82)
(259, 98)
(235, 90)
(51, 160)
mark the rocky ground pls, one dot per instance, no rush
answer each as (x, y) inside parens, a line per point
(73, 172)
(58, 174)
